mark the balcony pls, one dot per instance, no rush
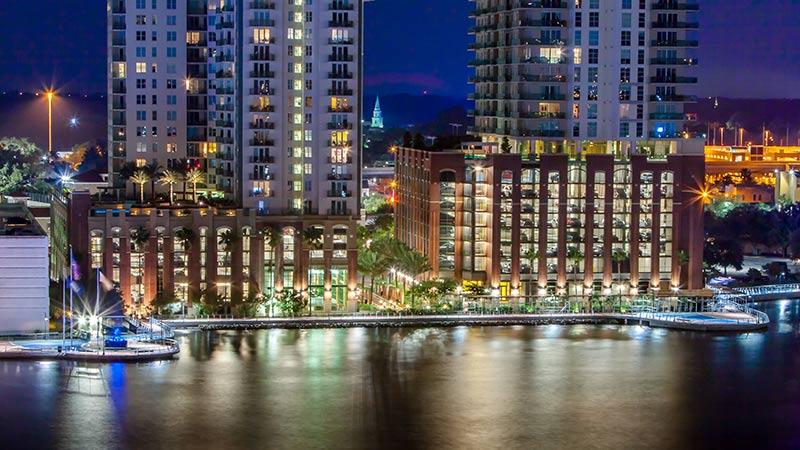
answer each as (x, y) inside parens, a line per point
(262, 22)
(224, 91)
(223, 140)
(340, 75)
(340, 176)
(341, 161)
(261, 142)
(262, 91)
(341, 41)
(338, 144)
(261, 193)
(340, 194)
(262, 108)
(340, 58)
(262, 5)
(340, 126)
(224, 74)
(674, 43)
(226, 107)
(674, 61)
(673, 98)
(675, 6)
(224, 123)
(676, 25)
(262, 57)
(673, 80)
(263, 125)
(262, 159)
(340, 109)
(340, 6)
(668, 116)
(262, 41)
(224, 25)
(340, 92)
(262, 176)
(340, 24)
(262, 74)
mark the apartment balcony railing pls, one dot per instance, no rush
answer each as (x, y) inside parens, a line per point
(347, 160)
(340, 109)
(262, 74)
(262, 125)
(673, 98)
(340, 194)
(118, 24)
(224, 74)
(262, 5)
(674, 61)
(671, 5)
(224, 91)
(224, 25)
(340, 6)
(340, 75)
(340, 24)
(673, 80)
(676, 25)
(224, 123)
(338, 144)
(340, 126)
(262, 108)
(521, 132)
(262, 176)
(340, 58)
(674, 43)
(262, 57)
(261, 142)
(223, 140)
(521, 114)
(519, 96)
(261, 193)
(340, 176)
(262, 40)
(226, 107)
(263, 22)
(340, 41)
(528, 4)
(222, 57)
(262, 159)
(261, 91)
(225, 7)
(668, 116)
(340, 92)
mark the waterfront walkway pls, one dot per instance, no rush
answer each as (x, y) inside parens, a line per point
(706, 321)
(85, 351)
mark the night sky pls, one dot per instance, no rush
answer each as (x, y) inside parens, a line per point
(749, 48)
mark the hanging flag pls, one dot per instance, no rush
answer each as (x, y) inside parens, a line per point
(105, 282)
(75, 272)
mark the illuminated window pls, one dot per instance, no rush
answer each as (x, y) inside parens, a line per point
(261, 35)
(192, 37)
(141, 67)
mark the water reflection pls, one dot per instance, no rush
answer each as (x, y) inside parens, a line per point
(551, 386)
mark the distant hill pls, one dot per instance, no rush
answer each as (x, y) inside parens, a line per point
(403, 110)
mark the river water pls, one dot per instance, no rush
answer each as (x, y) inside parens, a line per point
(503, 387)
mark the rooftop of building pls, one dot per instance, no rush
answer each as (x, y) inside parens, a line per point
(17, 220)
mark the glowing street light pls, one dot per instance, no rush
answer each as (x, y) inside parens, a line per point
(50, 94)
(74, 122)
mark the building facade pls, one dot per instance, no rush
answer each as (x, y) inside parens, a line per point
(24, 272)
(262, 98)
(584, 76)
(554, 224)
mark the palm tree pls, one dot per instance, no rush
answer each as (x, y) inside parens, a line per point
(226, 239)
(374, 265)
(533, 257)
(153, 170)
(273, 237)
(127, 170)
(683, 259)
(194, 176)
(185, 235)
(139, 237)
(140, 178)
(619, 256)
(576, 256)
(170, 178)
(312, 238)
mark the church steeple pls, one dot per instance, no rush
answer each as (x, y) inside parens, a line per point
(377, 116)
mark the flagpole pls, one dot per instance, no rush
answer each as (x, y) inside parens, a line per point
(64, 312)
(71, 314)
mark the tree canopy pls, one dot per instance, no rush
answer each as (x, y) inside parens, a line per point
(22, 164)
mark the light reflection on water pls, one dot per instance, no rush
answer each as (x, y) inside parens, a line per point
(517, 387)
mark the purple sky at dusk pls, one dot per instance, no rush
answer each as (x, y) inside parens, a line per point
(748, 48)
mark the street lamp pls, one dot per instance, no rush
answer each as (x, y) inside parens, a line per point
(50, 94)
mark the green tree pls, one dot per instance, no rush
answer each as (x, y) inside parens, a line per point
(185, 236)
(22, 164)
(313, 238)
(723, 253)
(575, 256)
(619, 256)
(683, 259)
(139, 237)
(170, 178)
(290, 302)
(373, 265)
(194, 176)
(419, 141)
(140, 178)
(505, 145)
(226, 239)
(153, 171)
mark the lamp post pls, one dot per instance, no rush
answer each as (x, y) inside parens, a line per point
(50, 95)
